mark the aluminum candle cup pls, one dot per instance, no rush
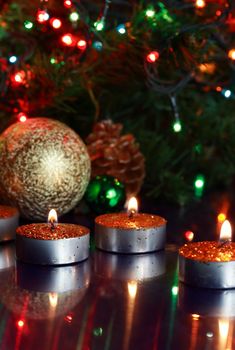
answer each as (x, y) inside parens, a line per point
(122, 233)
(137, 267)
(9, 221)
(40, 244)
(208, 264)
(207, 302)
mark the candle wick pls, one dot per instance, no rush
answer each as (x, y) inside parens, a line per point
(222, 244)
(131, 213)
(52, 225)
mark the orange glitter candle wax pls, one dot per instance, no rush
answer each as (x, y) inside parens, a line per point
(9, 221)
(209, 264)
(130, 232)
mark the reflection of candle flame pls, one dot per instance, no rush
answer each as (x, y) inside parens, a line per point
(223, 332)
(132, 206)
(53, 299)
(226, 231)
(132, 289)
(52, 218)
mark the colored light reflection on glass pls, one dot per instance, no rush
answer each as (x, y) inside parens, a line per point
(20, 324)
(174, 290)
(195, 317)
(132, 289)
(68, 318)
(98, 331)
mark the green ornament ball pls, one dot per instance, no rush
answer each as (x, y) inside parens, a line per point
(105, 194)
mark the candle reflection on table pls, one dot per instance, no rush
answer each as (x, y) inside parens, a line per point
(43, 292)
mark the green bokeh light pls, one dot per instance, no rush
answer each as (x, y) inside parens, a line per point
(28, 24)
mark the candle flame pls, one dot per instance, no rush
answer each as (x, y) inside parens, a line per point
(52, 217)
(132, 205)
(226, 231)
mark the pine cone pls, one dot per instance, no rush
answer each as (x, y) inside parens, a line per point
(117, 155)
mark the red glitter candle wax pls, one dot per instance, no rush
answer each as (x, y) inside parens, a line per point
(9, 221)
(52, 243)
(130, 232)
(209, 264)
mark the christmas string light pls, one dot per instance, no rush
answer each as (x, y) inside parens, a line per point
(12, 59)
(68, 3)
(55, 23)
(74, 16)
(121, 29)
(200, 4)
(152, 56)
(199, 184)
(177, 124)
(28, 24)
(231, 54)
(150, 13)
(42, 16)
(100, 23)
(82, 44)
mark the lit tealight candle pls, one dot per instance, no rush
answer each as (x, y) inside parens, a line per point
(52, 243)
(9, 221)
(130, 232)
(209, 264)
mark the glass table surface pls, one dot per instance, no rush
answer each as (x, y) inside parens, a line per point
(118, 302)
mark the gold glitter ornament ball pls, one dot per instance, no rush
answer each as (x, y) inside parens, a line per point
(44, 164)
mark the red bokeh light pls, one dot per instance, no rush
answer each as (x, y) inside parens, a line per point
(67, 40)
(67, 3)
(22, 117)
(152, 56)
(189, 235)
(42, 16)
(82, 44)
(55, 23)
(20, 324)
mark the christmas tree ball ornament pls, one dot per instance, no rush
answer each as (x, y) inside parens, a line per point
(130, 232)
(105, 194)
(9, 221)
(44, 165)
(116, 155)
